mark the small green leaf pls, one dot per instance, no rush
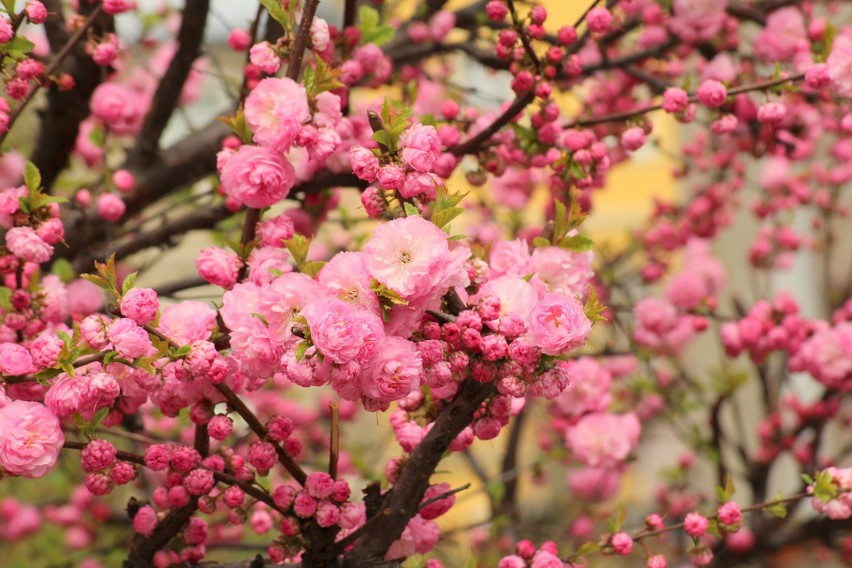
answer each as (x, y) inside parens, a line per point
(128, 283)
(371, 28)
(724, 494)
(237, 123)
(6, 298)
(777, 508)
(277, 12)
(298, 247)
(541, 242)
(62, 268)
(496, 490)
(577, 243)
(615, 524)
(410, 210)
(586, 549)
(32, 178)
(313, 268)
(301, 348)
(594, 308)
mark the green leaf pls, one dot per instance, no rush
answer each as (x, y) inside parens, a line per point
(541, 242)
(313, 268)
(62, 268)
(237, 123)
(410, 210)
(577, 243)
(586, 549)
(615, 524)
(96, 280)
(724, 494)
(128, 282)
(496, 490)
(301, 348)
(32, 178)
(6, 298)
(9, 6)
(777, 508)
(594, 308)
(298, 247)
(18, 47)
(277, 12)
(371, 27)
(824, 487)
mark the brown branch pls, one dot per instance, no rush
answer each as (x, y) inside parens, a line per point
(238, 406)
(52, 68)
(403, 501)
(334, 441)
(171, 85)
(65, 110)
(472, 145)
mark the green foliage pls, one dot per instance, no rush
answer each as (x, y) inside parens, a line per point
(35, 198)
(446, 207)
(371, 27)
(320, 78)
(724, 494)
(593, 307)
(277, 10)
(298, 247)
(237, 124)
(777, 507)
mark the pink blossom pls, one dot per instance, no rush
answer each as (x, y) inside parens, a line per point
(622, 543)
(30, 438)
(589, 390)
(36, 12)
(420, 147)
(697, 20)
(319, 485)
(319, 34)
(412, 256)
(561, 270)
(598, 19)
(839, 64)
(633, 138)
(712, 94)
(364, 162)
(118, 107)
(219, 266)
(510, 257)
(25, 243)
(257, 176)
(337, 328)
(130, 340)
(419, 184)
(141, 305)
(441, 24)
(783, 35)
(558, 324)
(239, 39)
(675, 100)
(111, 207)
(45, 350)
(145, 521)
(263, 56)
(118, 6)
(730, 514)
(393, 372)
(594, 484)
(603, 439)
(187, 322)
(275, 111)
(14, 359)
(346, 276)
(695, 525)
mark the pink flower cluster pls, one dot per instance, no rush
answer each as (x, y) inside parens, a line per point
(838, 506)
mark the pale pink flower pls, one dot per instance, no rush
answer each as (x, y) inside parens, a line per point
(187, 322)
(337, 328)
(15, 359)
(346, 275)
(589, 390)
(412, 256)
(840, 65)
(783, 36)
(30, 438)
(320, 37)
(420, 147)
(562, 270)
(263, 56)
(603, 440)
(393, 372)
(510, 257)
(257, 176)
(141, 305)
(219, 266)
(558, 324)
(25, 243)
(516, 296)
(111, 207)
(275, 111)
(697, 20)
(593, 483)
(118, 107)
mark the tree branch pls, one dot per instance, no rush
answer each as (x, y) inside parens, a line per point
(171, 85)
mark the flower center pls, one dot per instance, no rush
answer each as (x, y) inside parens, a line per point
(405, 257)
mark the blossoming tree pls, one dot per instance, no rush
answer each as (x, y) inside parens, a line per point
(226, 432)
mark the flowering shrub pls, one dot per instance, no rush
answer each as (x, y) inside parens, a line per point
(341, 285)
